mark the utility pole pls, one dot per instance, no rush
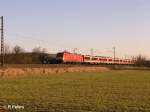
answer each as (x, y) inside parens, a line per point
(74, 50)
(114, 48)
(2, 42)
(92, 51)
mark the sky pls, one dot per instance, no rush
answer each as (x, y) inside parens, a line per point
(59, 25)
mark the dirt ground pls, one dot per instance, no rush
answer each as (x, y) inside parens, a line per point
(13, 72)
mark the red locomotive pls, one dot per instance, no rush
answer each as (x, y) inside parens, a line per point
(67, 57)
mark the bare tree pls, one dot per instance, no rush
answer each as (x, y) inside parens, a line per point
(38, 50)
(7, 49)
(141, 60)
(44, 50)
(17, 49)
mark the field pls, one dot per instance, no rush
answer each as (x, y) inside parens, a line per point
(108, 91)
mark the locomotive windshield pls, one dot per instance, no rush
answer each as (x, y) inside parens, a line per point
(59, 55)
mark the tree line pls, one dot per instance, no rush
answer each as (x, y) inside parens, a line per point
(18, 55)
(142, 61)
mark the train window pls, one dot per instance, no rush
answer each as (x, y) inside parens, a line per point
(87, 58)
(110, 60)
(104, 59)
(94, 58)
(100, 59)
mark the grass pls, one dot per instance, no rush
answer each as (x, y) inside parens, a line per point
(111, 91)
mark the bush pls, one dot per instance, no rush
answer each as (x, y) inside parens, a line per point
(142, 61)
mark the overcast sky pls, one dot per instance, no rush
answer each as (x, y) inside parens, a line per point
(59, 25)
